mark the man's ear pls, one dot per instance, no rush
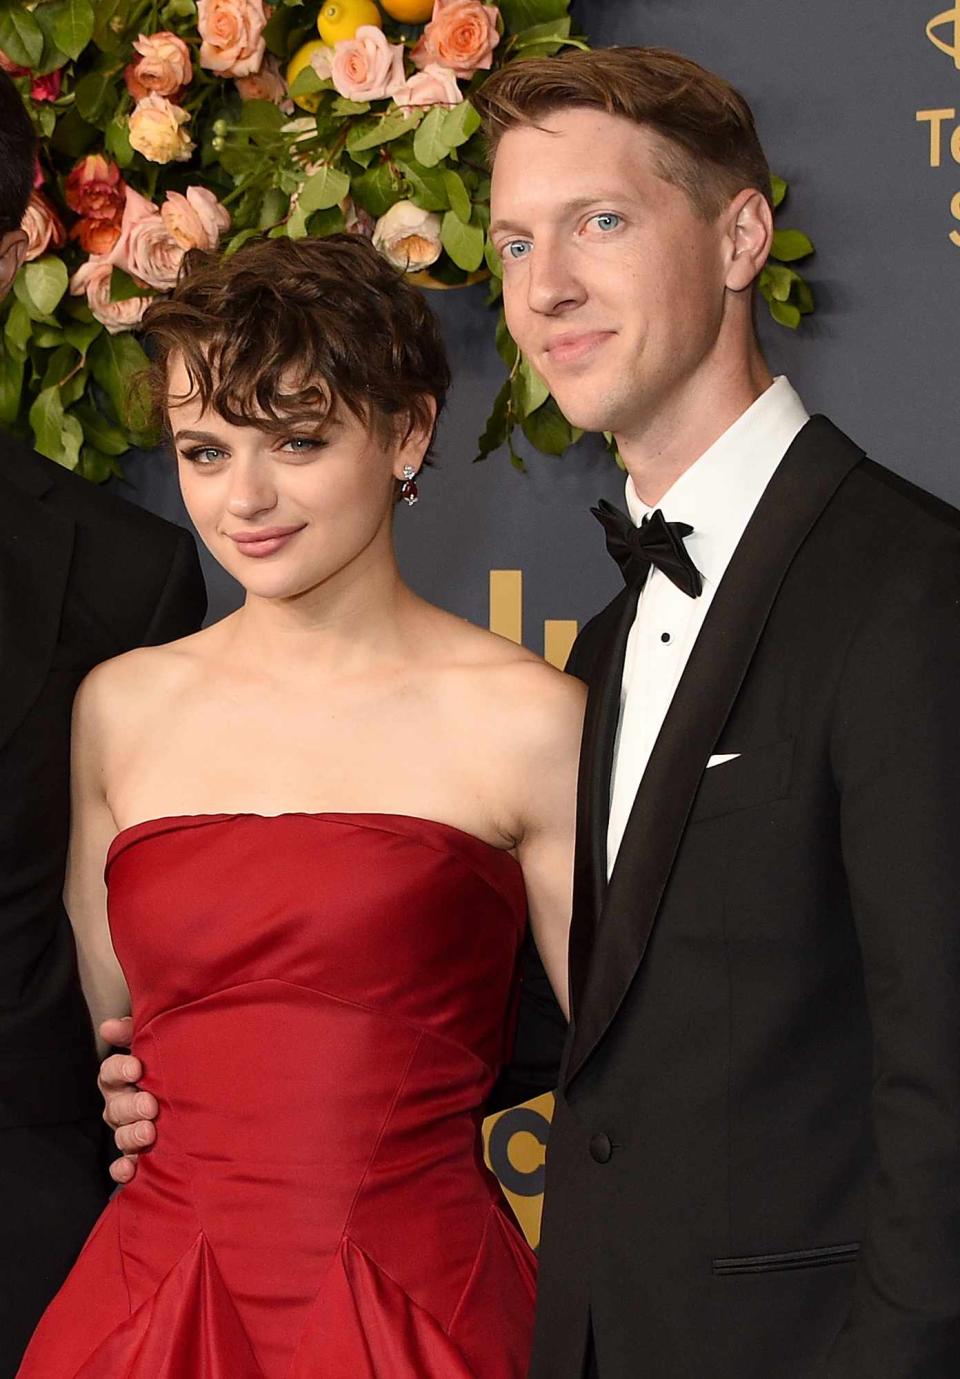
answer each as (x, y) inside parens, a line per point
(13, 248)
(749, 236)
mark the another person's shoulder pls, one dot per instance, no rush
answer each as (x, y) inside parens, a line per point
(899, 513)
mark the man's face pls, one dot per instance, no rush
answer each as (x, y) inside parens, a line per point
(613, 285)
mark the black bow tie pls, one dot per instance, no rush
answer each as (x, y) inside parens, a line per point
(655, 542)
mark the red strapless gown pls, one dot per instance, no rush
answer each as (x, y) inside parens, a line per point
(321, 1002)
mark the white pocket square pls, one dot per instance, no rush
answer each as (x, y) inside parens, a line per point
(724, 756)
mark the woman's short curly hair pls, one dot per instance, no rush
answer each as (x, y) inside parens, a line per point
(283, 331)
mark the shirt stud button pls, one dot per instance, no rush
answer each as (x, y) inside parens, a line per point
(665, 636)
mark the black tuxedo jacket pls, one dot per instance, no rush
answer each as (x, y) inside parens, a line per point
(83, 576)
(754, 1168)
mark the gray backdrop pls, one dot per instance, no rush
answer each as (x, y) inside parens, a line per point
(836, 88)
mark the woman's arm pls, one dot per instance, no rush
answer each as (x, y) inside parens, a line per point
(92, 828)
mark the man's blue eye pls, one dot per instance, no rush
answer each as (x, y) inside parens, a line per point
(514, 245)
(607, 220)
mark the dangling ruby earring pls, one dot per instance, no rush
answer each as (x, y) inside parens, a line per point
(408, 489)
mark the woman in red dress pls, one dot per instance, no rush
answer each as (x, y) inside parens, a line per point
(305, 844)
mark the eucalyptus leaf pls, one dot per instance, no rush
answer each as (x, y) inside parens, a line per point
(506, 345)
(778, 189)
(430, 143)
(11, 386)
(99, 432)
(341, 106)
(81, 334)
(72, 24)
(377, 189)
(55, 435)
(530, 391)
(426, 186)
(548, 429)
(327, 187)
(780, 281)
(552, 28)
(790, 245)
(803, 295)
(785, 313)
(394, 123)
(47, 337)
(240, 239)
(97, 467)
(17, 328)
(460, 124)
(60, 363)
(523, 14)
(464, 243)
(21, 37)
(498, 425)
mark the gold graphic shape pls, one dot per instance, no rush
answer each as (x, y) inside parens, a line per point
(559, 635)
(949, 20)
(506, 603)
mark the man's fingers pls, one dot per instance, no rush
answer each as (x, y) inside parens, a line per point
(123, 1170)
(118, 1032)
(118, 1071)
(131, 1139)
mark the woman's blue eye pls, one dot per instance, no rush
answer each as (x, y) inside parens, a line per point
(204, 455)
(607, 220)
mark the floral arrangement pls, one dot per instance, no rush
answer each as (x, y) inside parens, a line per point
(167, 125)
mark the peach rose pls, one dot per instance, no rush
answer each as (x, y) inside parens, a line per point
(146, 249)
(367, 67)
(408, 236)
(44, 228)
(232, 34)
(435, 85)
(93, 278)
(94, 189)
(462, 34)
(156, 130)
(266, 85)
(197, 220)
(163, 67)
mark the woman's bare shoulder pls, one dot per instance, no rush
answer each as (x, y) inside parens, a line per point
(127, 684)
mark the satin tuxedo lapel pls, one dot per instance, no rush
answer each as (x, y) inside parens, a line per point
(36, 545)
(612, 924)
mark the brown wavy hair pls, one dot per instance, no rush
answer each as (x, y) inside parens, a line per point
(283, 331)
(709, 143)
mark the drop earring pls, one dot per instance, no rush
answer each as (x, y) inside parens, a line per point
(408, 489)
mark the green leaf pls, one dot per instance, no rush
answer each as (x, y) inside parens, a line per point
(96, 467)
(780, 281)
(239, 240)
(523, 14)
(178, 9)
(464, 243)
(548, 429)
(11, 386)
(96, 95)
(778, 189)
(44, 282)
(328, 222)
(59, 364)
(81, 334)
(106, 13)
(99, 432)
(789, 245)
(119, 365)
(498, 425)
(56, 434)
(377, 189)
(803, 295)
(430, 144)
(327, 187)
(425, 186)
(51, 58)
(492, 258)
(393, 124)
(73, 136)
(259, 118)
(117, 141)
(506, 345)
(457, 194)
(18, 328)
(72, 25)
(341, 106)
(529, 390)
(21, 37)
(123, 287)
(552, 28)
(785, 313)
(459, 124)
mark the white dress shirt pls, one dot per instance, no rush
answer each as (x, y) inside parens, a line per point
(716, 496)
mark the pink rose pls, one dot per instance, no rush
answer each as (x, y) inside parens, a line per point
(146, 249)
(435, 85)
(367, 67)
(232, 34)
(94, 188)
(266, 85)
(156, 130)
(44, 228)
(93, 278)
(197, 220)
(163, 67)
(462, 34)
(47, 88)
(408, 237)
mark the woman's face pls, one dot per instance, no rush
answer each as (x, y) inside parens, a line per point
(286, 513)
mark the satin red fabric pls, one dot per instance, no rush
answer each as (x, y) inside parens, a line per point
(321, 1004)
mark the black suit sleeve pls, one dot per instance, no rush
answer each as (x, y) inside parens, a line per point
(182, 602)
(896, 757)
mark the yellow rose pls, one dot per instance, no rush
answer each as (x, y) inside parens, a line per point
(156, 130)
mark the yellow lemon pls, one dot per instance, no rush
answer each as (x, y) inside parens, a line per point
(408, 11)
(341, 19)
(298, 62)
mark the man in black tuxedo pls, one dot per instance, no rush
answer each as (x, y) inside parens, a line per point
(754, 1167)
(83, 576)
